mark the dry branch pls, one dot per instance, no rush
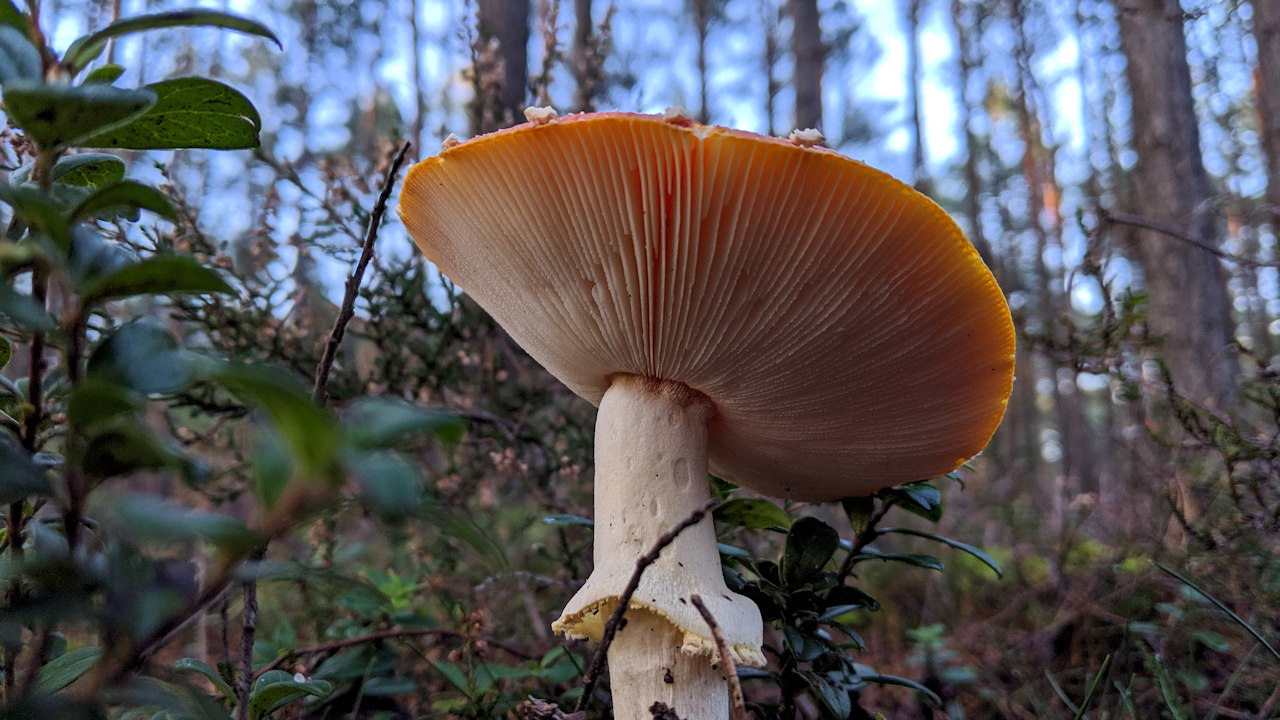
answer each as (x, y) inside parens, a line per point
(737, 705)
(353, 282)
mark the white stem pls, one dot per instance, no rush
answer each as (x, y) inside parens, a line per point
(651, 474)
(646, 666)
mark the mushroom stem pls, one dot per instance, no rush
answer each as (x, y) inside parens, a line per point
(646, 665)
(651, 473)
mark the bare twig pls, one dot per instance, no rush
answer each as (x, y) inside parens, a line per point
(380, 635)
(1170, 231)
(737, 705)
(611, 626)
(249, 633)
(142, 650)
(353, 282)
(534, 709)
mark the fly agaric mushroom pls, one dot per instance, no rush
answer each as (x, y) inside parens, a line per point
(795, 321)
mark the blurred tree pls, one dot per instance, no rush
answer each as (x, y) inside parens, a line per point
(1189, 309)
(701, 22)
(586, 58)
(810, 56)
(769, 23)
(919, 174)
(1266, 30)
(501, 64)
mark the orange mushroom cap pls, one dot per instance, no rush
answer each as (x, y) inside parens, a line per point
(848, 335)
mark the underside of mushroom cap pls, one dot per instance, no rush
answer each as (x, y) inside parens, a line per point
(847, 334)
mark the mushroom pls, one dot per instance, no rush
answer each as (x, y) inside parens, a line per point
(765, 309)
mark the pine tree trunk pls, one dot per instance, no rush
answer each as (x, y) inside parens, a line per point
(501, 64)
(772, 84)
(1266, 31)
(1189, 310)
(810, 55)
(920, 179)
(701, 21)
(586, 60)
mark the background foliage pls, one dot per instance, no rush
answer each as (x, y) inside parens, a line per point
(206, 516)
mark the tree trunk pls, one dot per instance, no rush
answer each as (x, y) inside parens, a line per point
(1189, 310)
(415, 76)
(501, 59)
(920, 174)
(810, 55)
(586, 58)
(1266, 31)
(701, 21)
(772, 84)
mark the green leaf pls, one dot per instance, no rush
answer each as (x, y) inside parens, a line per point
(272, 692)
(357, 663)
(388, 686)
(466, 531)
(92, 257)
(104, 75)
(810, 545)
(311, 434)
(1218, 603)
(9, 15)
(845, 598)
(917, 559)
(83, 50)
(919, 498)
(22, 311)
(752, 513)
(19, 59)
(189, 112)
(452, 674)
(219, 683)
(125, 194)
(142, 355)
(38, 210)
(95, 402)
(20, 477)
(878, 679)
(805, 647)
(272, 468)
(157, 521)
(384, 422)
(1092, 689)
(389, 482)
(567, 520)
(833, 694)
(859, 511)
(124, 450)
(974, 551)
(88, 170)
(56, 116)
(6, 352)
(67, 669)
(159, 275)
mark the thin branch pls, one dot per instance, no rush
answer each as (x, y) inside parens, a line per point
(142, 650)
(248, 634)
(596, 667)
(1116, 218)
(381, 635)
(353, 283)
(737, 706)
